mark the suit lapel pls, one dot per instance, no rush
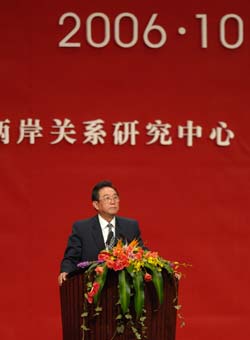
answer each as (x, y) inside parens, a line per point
(119, 232)
(118, 229)
(97, 234)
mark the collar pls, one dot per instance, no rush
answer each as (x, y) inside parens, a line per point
(104, 223)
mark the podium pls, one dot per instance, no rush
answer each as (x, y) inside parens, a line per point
(160, 319)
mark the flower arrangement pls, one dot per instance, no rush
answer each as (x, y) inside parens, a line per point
(135, 266)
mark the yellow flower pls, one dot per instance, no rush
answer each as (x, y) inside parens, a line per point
(137, 265)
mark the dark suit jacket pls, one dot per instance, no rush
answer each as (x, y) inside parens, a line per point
(86, 240)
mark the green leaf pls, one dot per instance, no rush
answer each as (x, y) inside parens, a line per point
(167, 266)
(136, 333)
(120, 329)
(157, 281)
(85, 328)
(128, 316)
(130, 270)
(89, 285)
(91, 267)
(84, 314)
(124, 290)
(101, 279)
(139, 297)
(178, 307)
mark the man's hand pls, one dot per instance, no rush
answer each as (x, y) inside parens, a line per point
(62, 278)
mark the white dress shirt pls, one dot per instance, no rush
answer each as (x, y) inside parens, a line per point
(105, 229)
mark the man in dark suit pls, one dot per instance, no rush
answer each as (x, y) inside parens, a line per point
(100, 232)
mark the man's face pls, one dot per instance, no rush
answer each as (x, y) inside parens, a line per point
(108, 204)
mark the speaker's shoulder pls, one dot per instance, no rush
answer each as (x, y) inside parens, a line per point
(126, 220)
(85, 224)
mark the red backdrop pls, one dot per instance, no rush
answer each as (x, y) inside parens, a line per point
(192, 203)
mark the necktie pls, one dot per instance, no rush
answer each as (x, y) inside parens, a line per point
(111, 237)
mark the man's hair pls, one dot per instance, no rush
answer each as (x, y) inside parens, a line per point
(98, 187)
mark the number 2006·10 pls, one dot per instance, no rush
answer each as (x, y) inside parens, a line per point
(150, 27)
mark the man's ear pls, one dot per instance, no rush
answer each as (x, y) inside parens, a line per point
(95, 205)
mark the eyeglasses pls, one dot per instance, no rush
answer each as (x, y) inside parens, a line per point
(108, 199)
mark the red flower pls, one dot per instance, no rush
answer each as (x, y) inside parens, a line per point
(138, 255)
(147, 277)
(153, 254)
(104, 256)
(119, 265)
(99, 270)
(117, 251)
(89, 298)
(93, 292)
(96, 286)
